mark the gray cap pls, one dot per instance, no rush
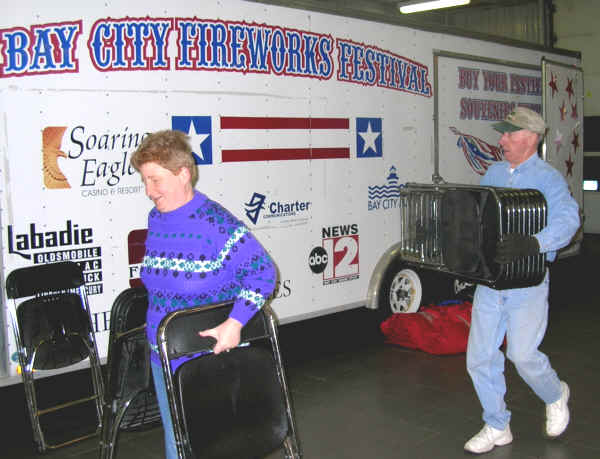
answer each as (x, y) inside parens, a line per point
(522, 118)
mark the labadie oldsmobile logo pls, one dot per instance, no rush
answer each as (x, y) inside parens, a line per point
(337, 258)
(285, 212)
(94, 161)
(70, 242)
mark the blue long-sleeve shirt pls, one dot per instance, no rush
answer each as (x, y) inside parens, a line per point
(563, 211)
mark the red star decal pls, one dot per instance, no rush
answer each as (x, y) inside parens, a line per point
(569, 88)
(563, 111)
(575, 142)
(552, 83)
(574, 114)
(569, 163)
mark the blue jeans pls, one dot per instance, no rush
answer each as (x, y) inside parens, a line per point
(521, 315)
(165, 413)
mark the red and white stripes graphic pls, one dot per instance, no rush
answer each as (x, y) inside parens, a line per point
(284, 138)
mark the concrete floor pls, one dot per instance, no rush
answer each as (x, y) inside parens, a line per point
(356, 397)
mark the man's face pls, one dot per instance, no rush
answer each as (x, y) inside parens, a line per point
(168, 191)
(518, 146)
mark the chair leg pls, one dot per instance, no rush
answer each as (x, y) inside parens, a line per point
(106, 443)
(97, 378)
(29, 386)
(291, 449)
(112, 417)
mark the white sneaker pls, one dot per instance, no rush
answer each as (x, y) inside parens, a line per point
(557, 413)
(487, 438)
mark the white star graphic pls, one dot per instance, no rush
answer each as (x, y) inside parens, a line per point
(196, 141)
(369, 137)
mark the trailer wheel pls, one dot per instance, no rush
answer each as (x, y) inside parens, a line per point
(401, 292)
(405, 288)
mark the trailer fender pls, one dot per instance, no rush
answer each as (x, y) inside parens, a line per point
(378, 275)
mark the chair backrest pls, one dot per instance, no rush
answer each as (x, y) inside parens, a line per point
(232, 404)
(129, 310)
(227, 405)
(181, 328)
(461, 237)
(33, 280)
(128, 365)
(53, 321)
(54, 326)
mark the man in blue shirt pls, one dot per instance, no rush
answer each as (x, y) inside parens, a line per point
(520, 314)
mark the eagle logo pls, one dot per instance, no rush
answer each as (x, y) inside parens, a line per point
(51, 141)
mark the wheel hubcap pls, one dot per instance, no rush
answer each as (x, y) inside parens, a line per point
(405, 292)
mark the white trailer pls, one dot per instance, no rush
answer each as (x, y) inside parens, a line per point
(305, 125)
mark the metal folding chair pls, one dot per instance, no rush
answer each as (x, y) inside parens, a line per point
(53, 329)
(130, 400)
(454, 229)
(235, 404)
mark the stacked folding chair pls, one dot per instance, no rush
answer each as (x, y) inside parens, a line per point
(130, 400)
(235, 404)
(53, 329)
(454, 229)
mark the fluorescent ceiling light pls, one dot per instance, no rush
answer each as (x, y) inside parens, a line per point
(415, 7)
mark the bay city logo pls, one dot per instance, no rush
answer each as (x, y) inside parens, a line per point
(274, 209)
(103, 160)
(385, 196)
(70, 243)
(338, 257)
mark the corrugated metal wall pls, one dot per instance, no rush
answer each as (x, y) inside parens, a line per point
(522, 20)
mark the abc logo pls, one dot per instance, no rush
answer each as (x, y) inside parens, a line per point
(317, 260)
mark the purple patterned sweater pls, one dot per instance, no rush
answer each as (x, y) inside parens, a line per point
(201, 254)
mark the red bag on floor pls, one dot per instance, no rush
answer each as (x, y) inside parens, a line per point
(434, 329)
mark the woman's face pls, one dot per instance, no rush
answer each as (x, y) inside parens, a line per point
(168, 191)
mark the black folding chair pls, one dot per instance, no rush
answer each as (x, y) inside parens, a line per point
(130, 400)
(232, 405)
(53, 329)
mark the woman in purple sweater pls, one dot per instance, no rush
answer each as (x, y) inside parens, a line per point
(197, 253)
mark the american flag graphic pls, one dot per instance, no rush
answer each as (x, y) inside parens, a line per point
(284, 138)
(479, 154)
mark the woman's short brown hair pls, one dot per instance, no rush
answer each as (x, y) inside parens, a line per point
(169, 149)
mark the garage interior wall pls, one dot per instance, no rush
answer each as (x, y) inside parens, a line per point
(576, 27)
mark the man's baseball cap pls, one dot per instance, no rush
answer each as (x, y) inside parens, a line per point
(522, 118)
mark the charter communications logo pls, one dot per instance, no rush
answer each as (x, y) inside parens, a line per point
(274, 209)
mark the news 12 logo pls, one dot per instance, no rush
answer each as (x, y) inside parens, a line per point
(338, 257)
